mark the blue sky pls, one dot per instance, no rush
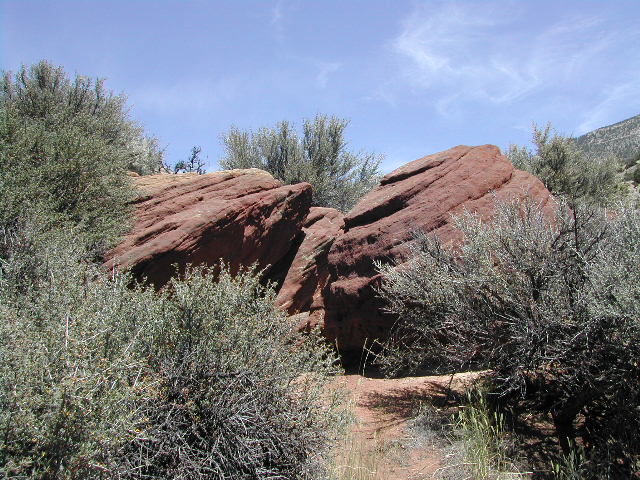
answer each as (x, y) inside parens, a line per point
(413, 77)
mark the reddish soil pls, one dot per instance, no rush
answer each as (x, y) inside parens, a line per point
(383, 407)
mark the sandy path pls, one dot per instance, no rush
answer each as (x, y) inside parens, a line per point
(382, 408)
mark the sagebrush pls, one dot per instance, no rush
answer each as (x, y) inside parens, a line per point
(320, 156)
(549, 299)
(203, 380)
(65, 147)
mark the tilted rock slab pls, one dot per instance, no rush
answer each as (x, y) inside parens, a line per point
(308, 274)
(239, 216)
(423, 194)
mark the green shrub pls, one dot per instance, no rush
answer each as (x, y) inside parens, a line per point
(203, 380)
(237, 397)
(71, 361)
(65, 147)
(320, 157)
(552, 307)
(565, 170)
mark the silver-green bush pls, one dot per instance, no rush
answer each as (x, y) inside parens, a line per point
(237, 396)
(565, 170)
(320, 157)
(71, 362)
(202, 380)
(65, 147)
(551, 305)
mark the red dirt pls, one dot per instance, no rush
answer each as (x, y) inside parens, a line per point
(383, 407)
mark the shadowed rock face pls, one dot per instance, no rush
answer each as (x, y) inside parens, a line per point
(308, 274)
(423, 195)
(239, 216)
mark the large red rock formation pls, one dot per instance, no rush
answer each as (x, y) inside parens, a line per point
(324, 262)
(308, 274)
(239, 216)
(423, 194)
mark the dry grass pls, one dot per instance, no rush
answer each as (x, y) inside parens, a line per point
(358, 459)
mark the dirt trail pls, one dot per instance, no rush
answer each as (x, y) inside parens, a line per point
(383, 407)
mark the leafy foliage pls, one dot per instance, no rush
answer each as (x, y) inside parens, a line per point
(319, 157)
(551, 306)
(203, 380)
(64, 149)
(565, 170)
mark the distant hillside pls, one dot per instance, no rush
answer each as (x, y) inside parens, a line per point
(621, 139)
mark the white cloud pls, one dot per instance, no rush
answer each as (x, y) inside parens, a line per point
(488, 52)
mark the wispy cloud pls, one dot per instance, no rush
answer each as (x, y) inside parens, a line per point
(277, 13)
(460, 52)
(277, 20)
(325, 71)
(626, 93)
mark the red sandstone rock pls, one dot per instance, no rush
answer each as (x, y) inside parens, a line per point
(324, 261)
(308, 274)
(239, 216)
(424, 195)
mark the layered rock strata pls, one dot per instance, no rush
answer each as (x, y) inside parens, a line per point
(239, 216)
(422, 195)
(323, 262)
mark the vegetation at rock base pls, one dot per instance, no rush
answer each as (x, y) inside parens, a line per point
(320, 157)
(566, 170)
(103, 378)
(550, 306)
(99, 380)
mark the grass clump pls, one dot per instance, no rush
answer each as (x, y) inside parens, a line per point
(484, 446)
(356, 460)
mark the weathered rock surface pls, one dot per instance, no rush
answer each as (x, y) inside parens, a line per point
(322, 260)
(308, 274)
(240, 216)
(423, 194)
